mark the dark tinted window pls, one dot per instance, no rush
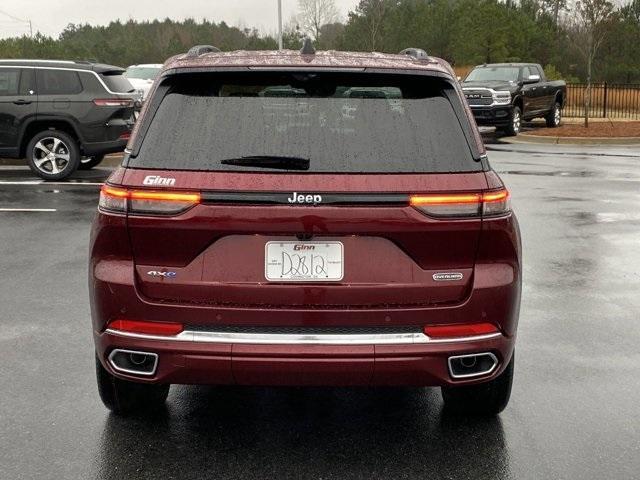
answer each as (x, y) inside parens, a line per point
(9, 81)
(538, 71)
(117, 82)
(528, 71)
(356, 123)
(58, 82)
(27, 81)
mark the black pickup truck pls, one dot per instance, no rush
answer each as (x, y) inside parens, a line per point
(502, 95)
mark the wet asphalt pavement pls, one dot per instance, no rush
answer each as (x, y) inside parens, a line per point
(574, 412)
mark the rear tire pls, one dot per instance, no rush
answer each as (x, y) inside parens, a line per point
(515, 122)
(554, 117)
(123, 397)
(488, 398)
(87, 163)
(53, 155)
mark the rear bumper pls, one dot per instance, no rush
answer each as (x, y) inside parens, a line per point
(103, 148)
(216, 362)
(493, 297)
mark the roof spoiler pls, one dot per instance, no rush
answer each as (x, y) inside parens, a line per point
(198, 50)
(417, 53)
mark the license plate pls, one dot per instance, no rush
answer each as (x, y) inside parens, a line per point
(304, 261)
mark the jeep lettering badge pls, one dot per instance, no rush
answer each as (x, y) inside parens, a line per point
(300, 198)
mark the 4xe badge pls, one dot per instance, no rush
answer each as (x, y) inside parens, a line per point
(156, 273)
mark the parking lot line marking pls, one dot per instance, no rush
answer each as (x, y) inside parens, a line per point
(26, 182)
(28, 210)
(42, 182)
(74, 183)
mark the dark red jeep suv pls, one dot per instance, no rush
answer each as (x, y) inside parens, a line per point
(305, 218)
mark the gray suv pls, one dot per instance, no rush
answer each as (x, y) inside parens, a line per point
(62, 115)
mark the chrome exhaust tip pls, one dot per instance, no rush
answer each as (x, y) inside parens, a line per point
(133, 362)
(472, 365)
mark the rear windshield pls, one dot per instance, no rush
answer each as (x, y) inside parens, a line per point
(142, 73)
(117, 82)
(315, 122)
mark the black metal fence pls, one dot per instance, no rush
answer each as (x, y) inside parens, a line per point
(607, 100)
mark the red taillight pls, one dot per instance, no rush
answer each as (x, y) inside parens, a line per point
(457, 198)
(113, 199)
(151, 202)
(151, 328)
(462, 204)
(464, 330)
(164, 196)
(495, 203)
(114, 191)
(125, 136)
(113, 102)
(448, 205)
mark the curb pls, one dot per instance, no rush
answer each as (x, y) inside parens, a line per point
(538, 139)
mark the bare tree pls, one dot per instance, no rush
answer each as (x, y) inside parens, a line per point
(555, 8)
(374, 13)
(314, 14)
(591, 21)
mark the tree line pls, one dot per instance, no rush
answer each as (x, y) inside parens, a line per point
(464, 32)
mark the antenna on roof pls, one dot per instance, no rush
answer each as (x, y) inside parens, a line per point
(201, 50)
(307, 47)
(417, 53)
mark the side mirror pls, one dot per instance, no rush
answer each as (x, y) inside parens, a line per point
(532, 79)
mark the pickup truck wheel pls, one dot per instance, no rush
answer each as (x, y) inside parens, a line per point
(123, 397)
(554, 117)
(515, 123)
(53, 155)
(87, 163)
(488, 398)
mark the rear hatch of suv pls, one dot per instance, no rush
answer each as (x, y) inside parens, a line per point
(306, 190)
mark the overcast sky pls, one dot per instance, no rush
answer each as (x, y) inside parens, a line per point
(51, 16)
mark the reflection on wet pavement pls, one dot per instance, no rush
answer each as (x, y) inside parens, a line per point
(573, 412)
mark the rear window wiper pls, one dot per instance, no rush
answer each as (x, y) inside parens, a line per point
(269, 161)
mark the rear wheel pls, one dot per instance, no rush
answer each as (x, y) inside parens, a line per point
(87, 163)
(53, 155)
(124, 397)
(554, 117)
(488, 398)
(515, 122)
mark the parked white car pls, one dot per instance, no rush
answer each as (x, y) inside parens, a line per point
(142, 77)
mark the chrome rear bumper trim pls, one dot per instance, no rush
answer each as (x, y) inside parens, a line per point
(301, 339)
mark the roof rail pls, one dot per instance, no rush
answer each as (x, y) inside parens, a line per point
(417, 53)
(198, 50)
(307, 47)
(35, 60)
